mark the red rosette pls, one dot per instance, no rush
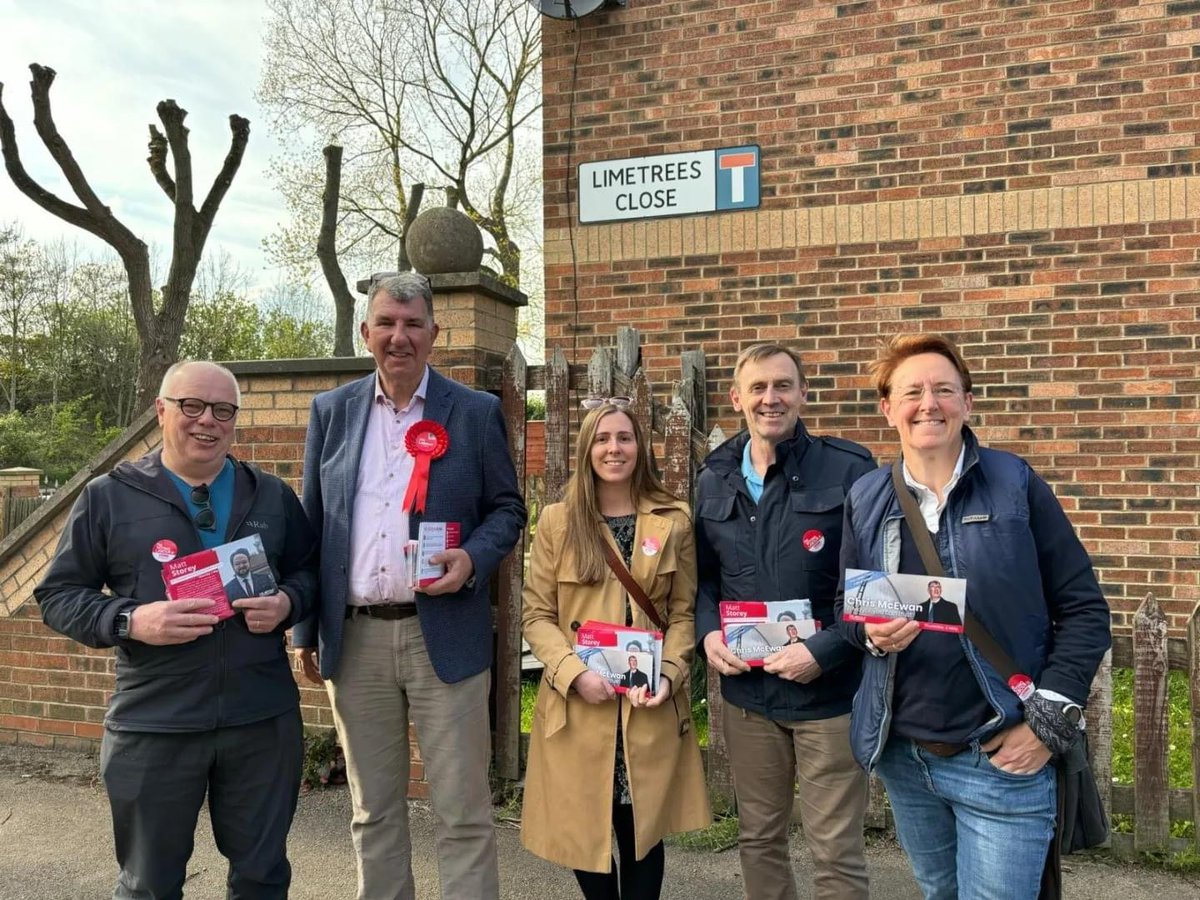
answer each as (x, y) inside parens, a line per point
(426, 441)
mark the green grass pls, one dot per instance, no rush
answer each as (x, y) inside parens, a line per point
(1179, 734)
(721, 835)
(529, 691)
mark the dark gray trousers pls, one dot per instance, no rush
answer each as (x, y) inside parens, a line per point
(157, 782)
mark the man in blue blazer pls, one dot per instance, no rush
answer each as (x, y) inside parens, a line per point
(385, 652)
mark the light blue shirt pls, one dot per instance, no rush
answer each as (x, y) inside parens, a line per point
(220, 497)
(754, 482)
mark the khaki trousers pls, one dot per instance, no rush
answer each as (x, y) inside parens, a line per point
(384, 678)
(767, 758)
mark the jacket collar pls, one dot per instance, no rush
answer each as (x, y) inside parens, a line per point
(150, 475)
(649, 540)
(726, 460)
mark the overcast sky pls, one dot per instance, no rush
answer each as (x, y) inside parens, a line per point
(115, 61)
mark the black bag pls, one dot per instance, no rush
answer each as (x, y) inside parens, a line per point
(1081, 822)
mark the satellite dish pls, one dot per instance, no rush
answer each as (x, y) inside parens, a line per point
(570, 9)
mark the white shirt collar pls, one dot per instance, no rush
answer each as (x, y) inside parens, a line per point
(927, 499)
(418, 394)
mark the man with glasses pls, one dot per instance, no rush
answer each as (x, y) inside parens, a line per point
(768, 520)
(385, 652)
(201, 706)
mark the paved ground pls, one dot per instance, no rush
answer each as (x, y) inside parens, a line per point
(55, 844)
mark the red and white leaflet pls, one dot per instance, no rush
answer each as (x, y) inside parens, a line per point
(198, 576)
(240, 566)
(754, 629)
(625, 657)
(434, 537)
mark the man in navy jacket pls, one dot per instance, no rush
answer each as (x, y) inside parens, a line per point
(768, 527)
(201, 706)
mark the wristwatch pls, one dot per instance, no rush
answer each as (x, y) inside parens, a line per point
(122, 623)
(871, 648)
(1073, 713)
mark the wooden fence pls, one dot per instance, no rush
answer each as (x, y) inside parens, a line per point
(1151, 801)
(679, 429)
(15, 510)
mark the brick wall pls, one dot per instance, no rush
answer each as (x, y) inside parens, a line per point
(1019, 175)
(53, 691)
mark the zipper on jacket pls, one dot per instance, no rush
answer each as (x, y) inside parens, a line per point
(885, 724)
(221, 675)
(968, 650)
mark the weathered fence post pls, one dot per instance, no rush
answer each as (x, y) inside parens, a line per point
(677, 448)
(1152, 816)
(629, 350)
(720, 779)
(643, 402)
(507, 747)
(1099, 730)
(600, 373)
(558, 440)
(694, 387)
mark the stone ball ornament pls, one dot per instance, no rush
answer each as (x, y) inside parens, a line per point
(442, 240)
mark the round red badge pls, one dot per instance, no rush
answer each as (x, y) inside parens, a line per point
(1022, 686)
(813, 540)
(164, 550)
(651, 546)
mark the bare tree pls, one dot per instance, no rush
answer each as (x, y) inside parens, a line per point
(479, 71)
(58, 261)
(18, 294)
(340, 70)
(434, 92)
(158, 331)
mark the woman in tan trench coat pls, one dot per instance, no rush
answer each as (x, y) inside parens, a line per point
(598, 762)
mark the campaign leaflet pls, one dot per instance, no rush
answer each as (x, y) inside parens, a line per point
(754, 629)
(625, 657)
(223, 574)
(938, 604)
(432, 537)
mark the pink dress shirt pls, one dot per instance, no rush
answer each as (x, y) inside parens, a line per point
(379, 527)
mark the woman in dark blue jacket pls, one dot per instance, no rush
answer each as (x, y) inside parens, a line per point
(969, 780)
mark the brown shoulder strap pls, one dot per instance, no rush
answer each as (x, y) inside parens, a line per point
(634, 589)
(974, 629)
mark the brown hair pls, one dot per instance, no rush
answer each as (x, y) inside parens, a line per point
(899, 347)
(584, 521)
(758, 352)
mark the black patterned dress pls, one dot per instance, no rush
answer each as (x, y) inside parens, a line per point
(623, 529)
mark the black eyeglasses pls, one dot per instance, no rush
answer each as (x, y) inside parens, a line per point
(206, 519)
(596, 402)
(194, 407)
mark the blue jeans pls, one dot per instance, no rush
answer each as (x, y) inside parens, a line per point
(961, 814)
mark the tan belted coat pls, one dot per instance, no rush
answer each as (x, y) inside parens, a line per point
(567, 816)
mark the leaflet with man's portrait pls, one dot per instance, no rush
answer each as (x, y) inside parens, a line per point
(754, 629)
(234, 571)
(937, 604)
(625, 657)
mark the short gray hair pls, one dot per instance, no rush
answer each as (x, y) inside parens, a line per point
(184, 363)
(401, 287)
